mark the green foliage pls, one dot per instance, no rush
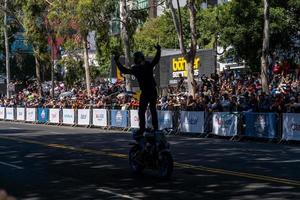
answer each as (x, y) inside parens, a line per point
(75, 70)
(35, 29)
(160, 30)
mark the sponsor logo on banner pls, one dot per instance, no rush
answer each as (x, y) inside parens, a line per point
(119, 117)
(43, 114)
(260, 124)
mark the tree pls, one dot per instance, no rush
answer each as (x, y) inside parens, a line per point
(36, 34)
(76, 18)
(188, 54)
(265, 47)
(241, 24)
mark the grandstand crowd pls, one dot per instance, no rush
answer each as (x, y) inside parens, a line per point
(229, 91)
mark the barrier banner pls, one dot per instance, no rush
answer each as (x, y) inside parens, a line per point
(262, 125)
(165, 119)
(68, 116)
(84, 116)
(54, 115)
(192, 122)
(119, 118)
(10, 114)
(21, 114)
(224, 124)
(43, 115)
(2, 112)
(100, 117)
(291, 126)
(30, 114)
(134, 119)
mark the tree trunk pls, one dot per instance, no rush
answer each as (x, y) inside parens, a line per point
(38, 75)
(189, 56)
(7, 64)
(125, 39)
(86, 66)
(265, 48)
(177, 25)
(193, 48)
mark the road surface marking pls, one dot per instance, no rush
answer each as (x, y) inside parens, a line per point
(14, 128)
(180, 165)
(11, 165)
(124, 196)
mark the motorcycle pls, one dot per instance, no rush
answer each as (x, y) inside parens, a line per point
(152, 151)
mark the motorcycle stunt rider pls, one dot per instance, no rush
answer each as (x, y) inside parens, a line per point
(143, 71)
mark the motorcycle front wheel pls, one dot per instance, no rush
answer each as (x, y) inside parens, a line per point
(135, 160)
(165, 165)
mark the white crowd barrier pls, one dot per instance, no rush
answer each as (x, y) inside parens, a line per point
(291, 126)
(31, 114)
(134, 119)
(54, 115)
(2, 113)
(192, 122)
(10, 114)
(225, 124)
(100, 117)
(68, 116)
(83, 117)
(21, 114)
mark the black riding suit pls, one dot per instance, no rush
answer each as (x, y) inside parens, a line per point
(144, 76)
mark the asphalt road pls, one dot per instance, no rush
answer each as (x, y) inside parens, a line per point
(49, 162)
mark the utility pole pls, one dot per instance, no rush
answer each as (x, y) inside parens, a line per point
(6, 51)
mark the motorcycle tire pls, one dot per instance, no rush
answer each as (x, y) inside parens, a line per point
(135, 166)
(165, 165)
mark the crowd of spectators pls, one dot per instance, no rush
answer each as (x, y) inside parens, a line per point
(228, 91)
(232, 91)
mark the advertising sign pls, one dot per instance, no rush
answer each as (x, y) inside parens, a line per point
(21, 114)
(262, 125)
(10, 114)
(54, 115)
(291, 126)
(2, 112)
(68, 116)
(165, 119)
(119, 118)
(30, 114)
(100, 117)
(192, 122)
(43, 115)
(134, 119)
(225, 124)
(84, 116)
